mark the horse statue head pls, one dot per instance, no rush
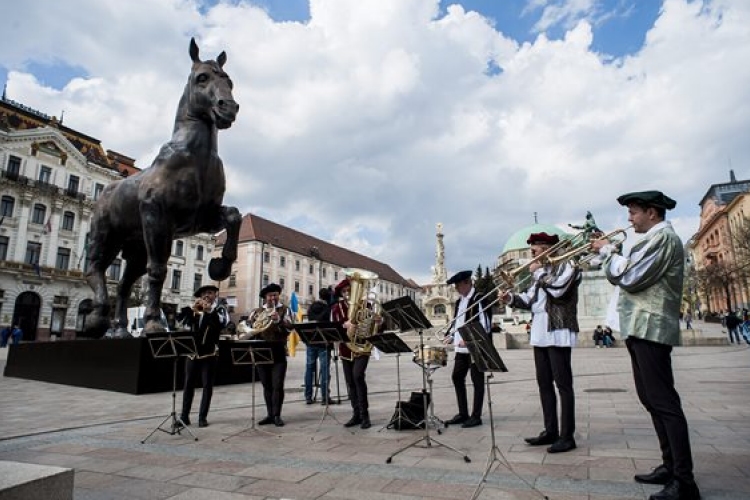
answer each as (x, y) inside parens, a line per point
(179, 195)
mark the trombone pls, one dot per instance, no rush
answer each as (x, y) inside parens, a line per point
(575, 254)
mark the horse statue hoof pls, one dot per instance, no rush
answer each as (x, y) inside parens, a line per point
(97, 325)
(121, 333)
(219, 268)
(153, 326)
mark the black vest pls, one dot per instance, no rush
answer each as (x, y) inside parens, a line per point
(472, 310)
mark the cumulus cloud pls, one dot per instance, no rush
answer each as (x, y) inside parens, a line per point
(376, 119)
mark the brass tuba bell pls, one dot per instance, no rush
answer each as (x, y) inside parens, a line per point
(361, 316)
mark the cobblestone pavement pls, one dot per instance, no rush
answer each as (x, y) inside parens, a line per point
(99, 434)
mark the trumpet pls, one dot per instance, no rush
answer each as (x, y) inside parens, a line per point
(200, 306)
(575, 254)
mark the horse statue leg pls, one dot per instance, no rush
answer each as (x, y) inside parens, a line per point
(101, 253)
(220, 268)
(135, 267)
(158, 232)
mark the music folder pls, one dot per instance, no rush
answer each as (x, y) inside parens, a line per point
(481, 348)
(256, 352)
(406, 314)
(389, 343)
(318, 333)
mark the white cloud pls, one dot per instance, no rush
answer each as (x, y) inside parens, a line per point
(376, 120)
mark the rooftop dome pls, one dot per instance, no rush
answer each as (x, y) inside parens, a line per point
(517, 241)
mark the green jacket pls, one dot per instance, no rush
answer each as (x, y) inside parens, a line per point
(650, 281)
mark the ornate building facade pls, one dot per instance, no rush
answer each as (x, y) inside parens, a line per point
(50, 178)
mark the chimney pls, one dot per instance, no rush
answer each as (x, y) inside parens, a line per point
(732, 178)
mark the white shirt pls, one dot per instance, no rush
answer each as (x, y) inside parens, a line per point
(463, 306)
(540, 336)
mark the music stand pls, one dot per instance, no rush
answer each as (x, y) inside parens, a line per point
(172, 347)
(390, 343)
(251, 352)
(488, 361)
(327, 334)
(408, 316)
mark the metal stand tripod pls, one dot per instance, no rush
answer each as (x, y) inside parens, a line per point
(427, 421)
(176, 425)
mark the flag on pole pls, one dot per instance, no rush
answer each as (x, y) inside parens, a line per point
(294, 336)
(48, 226)
(37, 269)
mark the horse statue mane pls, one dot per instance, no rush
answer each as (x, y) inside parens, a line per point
(179, 195)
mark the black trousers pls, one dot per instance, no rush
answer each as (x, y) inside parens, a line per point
(461, 367)
(194, 368)
(356, 385)
(553, 368)
(654, 382)
(272, 377)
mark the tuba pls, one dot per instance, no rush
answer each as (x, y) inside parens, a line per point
(360, 315)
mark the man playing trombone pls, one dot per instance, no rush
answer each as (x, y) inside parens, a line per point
(553, 301)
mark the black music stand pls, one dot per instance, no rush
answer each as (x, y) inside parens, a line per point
(408, 316)
(172, 347)
(327, 334)
(254, 353)
(488, 361)
(390, 343)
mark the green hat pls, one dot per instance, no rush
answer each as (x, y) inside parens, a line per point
(649, 198)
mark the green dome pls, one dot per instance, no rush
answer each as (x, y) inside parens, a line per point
(518, 240)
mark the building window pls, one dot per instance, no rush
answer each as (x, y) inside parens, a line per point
(296, 265)
(266, 257)
(296, 286)
(115, 269)
(38, 213)
(63, 259)
(14, 165)
(98, 188)
(312, 270)
(282, 261)
(281, 283)
(323, 272)
(310, 290)
(335, 276)
(4, 241)
(199, 252)
(176, 279)
(265, 280)
(197, 281)
(6, 208)
(33, 252)
(232, 279)
(68, 221)
(179, 248)
(73, 182)
(45, 175)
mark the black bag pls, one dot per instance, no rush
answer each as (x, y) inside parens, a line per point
(409, 415)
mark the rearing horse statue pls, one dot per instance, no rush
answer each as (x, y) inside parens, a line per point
(179, 195)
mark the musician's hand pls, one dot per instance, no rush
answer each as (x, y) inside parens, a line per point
(597, 245)
(347, 324)
(534, 266)
(448, 340)
(462, 343)
(275, 317)
(377, 319)
(508, 297)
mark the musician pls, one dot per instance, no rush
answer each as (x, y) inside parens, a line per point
(320, 311)
(277, 324)
(207, 320)
(553, 301)
(468, 307)
(353, 363)
(649, 281)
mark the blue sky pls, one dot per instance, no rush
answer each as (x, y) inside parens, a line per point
(367, 122)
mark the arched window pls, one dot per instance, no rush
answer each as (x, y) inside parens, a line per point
(179, 248)
(439, 310)
(199, 252)
(38, 214)
(68, 221)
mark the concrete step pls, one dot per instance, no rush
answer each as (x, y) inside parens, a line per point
(21, 481)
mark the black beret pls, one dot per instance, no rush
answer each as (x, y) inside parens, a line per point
(648, 198)
(205, 288)
(542, 239)
(459, 277)
(270, 288)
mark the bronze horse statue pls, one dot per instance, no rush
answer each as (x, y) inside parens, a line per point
(179, 195)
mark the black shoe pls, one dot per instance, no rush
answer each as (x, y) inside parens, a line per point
(365, 423)
(329, 401)
(660, 475)
(458, 419)
(309, 401)
(268, 420)
(677, 490)
(185, 419)
(562, 445)
(472, 422)
(543, 438)
(203, 423)
(355, 420)
(278, 422)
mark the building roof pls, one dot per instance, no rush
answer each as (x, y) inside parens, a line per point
(255, 228)
(517, 241)
(725, 192)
